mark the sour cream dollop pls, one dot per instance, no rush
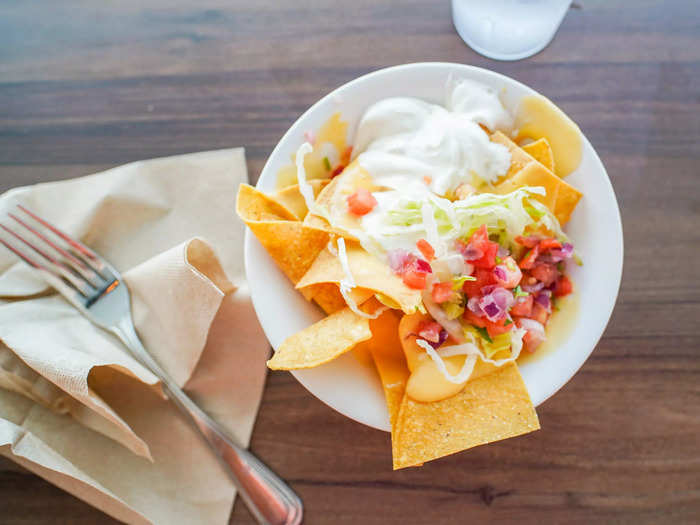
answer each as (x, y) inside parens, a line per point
(401, 140)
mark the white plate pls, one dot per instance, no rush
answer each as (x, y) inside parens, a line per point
(595, 229)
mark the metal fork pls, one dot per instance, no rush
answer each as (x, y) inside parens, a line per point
(98, 291)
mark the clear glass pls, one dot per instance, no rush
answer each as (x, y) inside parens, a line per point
(508, 29)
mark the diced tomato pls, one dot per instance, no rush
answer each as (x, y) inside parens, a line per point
(483, 278)
(522, 306)
(528, 242)
(531, 340)
(539, 314)
(345, 155)
(548, 244)
(493, 328)
(442, 292)
(361, 202)
(426, 249)
(499, 327)
(415, 279)
(474, 319)
(529, 260)
(547, 273)
(427, 179)
(480, 241)
(430, 331)
(337, 171)
(563, 286)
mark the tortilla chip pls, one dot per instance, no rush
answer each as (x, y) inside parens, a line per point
(385, 347)
(561, 198)
(493, 407)
(292, 199)
(329, 298)
(518, 158)
(541, 151)
(369, 273)
(253, 205)
(292, 245)
(334, 131)
(321, 342)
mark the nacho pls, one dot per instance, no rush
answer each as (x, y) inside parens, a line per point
(332, 134)
(368, 272)
(487, 268)
(561, 198)
(541, 151)
(329, 298)
(321, 342)
(539, 117)
(292, 199)
(292, 245)
(490, 408)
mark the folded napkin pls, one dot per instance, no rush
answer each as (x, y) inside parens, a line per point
(75, 407)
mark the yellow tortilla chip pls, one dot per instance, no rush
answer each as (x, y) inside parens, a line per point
(292, 199)
(329, 298)
(385, 348)
(334, 131)
(389, 359)
(321, 342)
(493, 407)
(541, 151)
(368, 272)
(292, 245)
(518, 158)
(561, 198)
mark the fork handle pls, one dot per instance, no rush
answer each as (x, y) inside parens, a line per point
(268, 498)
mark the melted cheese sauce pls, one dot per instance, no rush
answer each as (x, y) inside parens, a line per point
(538, 117)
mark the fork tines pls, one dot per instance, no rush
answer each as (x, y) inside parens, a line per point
(46, 248)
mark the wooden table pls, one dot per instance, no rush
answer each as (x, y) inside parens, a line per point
(87, 85)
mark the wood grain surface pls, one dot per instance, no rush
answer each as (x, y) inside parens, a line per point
(86, 85)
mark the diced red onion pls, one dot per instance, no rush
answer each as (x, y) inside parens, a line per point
(495, 304)
(472, 253)
(502, 252)
(535, 331)
(430, 331)
(500, 273)
(473, 305)
(442, 337)
(531, 325)
(543, 299)
(397, 259)
(557, 255)
(423, 266)
(532, 288)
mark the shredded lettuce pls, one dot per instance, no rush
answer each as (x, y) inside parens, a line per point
(518, 292)
(506, 217)
(458, 282)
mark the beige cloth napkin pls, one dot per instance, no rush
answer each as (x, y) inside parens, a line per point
(75, 407)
